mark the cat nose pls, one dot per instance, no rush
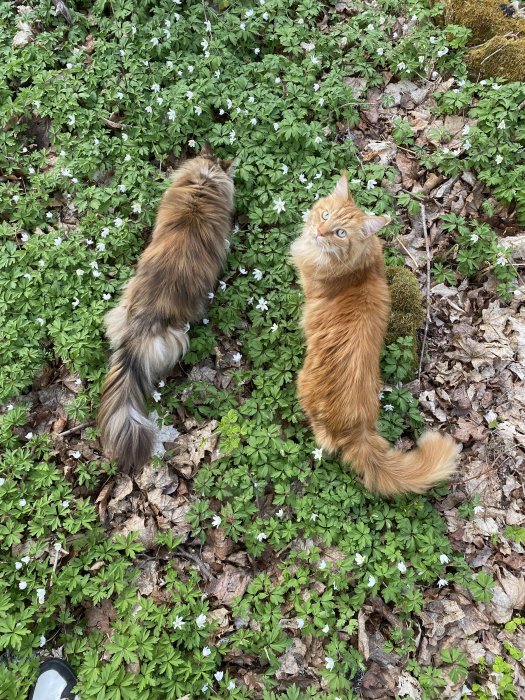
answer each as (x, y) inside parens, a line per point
(318, 233)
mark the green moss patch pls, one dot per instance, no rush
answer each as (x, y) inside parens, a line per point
(407, 314)
(498, 39)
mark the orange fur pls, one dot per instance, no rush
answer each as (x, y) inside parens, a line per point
(148, 329)
(345, 319)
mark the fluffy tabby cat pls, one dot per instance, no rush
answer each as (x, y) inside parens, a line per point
(340, 262)
(148, 329)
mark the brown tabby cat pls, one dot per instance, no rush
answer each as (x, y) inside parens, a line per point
(340, 262)
(148, 329)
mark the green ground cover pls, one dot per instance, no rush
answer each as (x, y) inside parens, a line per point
(92, 117)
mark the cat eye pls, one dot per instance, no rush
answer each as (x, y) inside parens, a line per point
(325, 215)
(340, 233)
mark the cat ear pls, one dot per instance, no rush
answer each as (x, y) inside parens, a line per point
(229, 166)
(341, 189)
(372, 224)
(206, 150)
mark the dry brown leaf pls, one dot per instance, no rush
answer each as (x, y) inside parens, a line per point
(384, 150)
(222, 617)
(231, 583)
(292, 661)
(122, 488)
(173, 509)
(407, 167)
(358, 85)
(24, 35)
(408, 687)
(218, 546)
(253, 681)
(103, 499)
(161, 477)
(379, 682)
(508, 595)
(100, 616)
(148, 577)
(466, 431)
(146, 531)
(190, 449)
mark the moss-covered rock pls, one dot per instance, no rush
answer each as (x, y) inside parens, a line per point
(501, 56)
(495, 53)
(407, 314)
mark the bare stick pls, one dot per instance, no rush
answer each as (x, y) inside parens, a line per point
(76, 429)
(113, 125)
(202, 566)
(427, 320)
(398, 240)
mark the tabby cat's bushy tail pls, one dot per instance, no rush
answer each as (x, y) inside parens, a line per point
(141, 358)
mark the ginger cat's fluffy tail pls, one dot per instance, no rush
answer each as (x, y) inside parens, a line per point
(388, 471)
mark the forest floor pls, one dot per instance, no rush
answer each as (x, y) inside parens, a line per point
(300, 594)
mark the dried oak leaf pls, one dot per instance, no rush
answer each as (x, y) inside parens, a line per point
(103, 500)
(379, 682)
(508, 595)
(146, 530)
(466, 431)
(148, 577)
(24, 35)
(407, 686)
(231, 583)
(100, 616)
(173, 509)
(253, 681)
(218, 547)
(222, 617)
(291, 662)
(190, 449)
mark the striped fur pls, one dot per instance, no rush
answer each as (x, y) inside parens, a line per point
(345, 320)
(147, 330)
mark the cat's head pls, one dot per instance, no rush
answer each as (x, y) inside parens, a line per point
(336, 226)
(204, 170)
(227, 166)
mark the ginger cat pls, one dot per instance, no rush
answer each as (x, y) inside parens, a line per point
(148, 329)
(340, 262)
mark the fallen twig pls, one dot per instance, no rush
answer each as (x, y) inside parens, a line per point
(76, 429)
(427, 320)
(203, 567)
(113, 125)
(398, 240)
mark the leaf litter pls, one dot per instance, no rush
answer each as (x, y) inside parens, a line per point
(471, 386)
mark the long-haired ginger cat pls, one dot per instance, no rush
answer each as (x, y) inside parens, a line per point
(148, 329)
(341, 267)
